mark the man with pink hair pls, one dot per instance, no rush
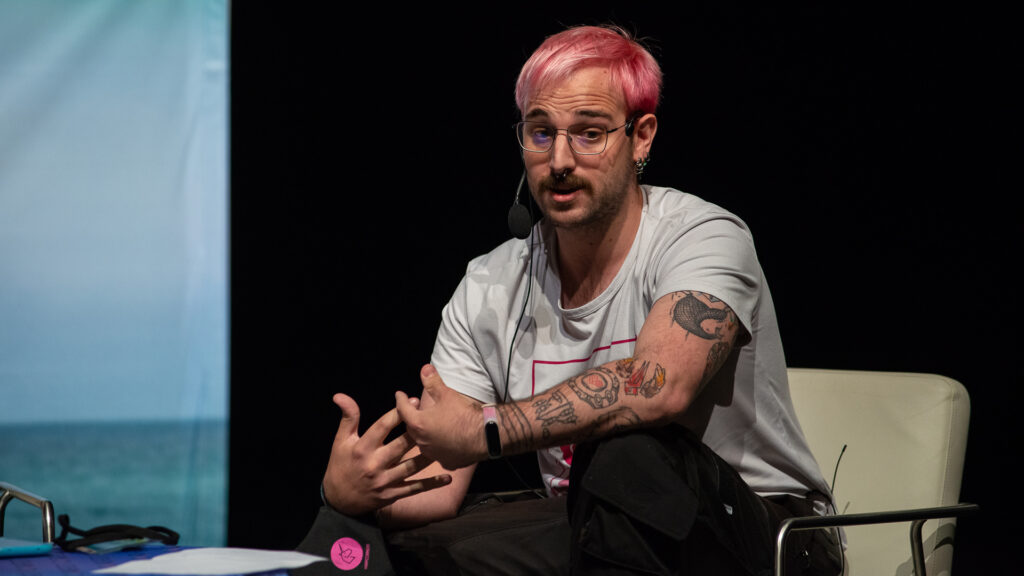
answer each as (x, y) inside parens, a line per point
(628, 338)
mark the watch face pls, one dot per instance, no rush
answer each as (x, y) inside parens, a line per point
(493, 441)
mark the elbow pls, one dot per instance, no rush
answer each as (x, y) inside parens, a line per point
(671, 404)
(447, 507)
(674, 407)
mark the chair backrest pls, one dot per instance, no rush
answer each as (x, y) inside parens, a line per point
(905, 436)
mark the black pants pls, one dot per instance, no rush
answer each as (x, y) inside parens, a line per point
(647, 502)
(661, 502)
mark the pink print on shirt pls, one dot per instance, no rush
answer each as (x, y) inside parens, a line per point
(555, 462)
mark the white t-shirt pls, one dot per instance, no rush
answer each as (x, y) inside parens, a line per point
(683, 243)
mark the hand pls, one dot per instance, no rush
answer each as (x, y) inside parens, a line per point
(363, 473)
(447, 427)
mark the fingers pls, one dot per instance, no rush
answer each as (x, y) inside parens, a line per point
(424, 484)
(393, 451)
(349, 424)
(406, 407)
(396, 482)
(412, 487)
(379, 430)
(406, 468)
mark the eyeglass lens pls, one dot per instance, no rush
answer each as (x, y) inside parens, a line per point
(583, 138)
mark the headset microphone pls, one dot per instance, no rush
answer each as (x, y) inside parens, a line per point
(520, 221)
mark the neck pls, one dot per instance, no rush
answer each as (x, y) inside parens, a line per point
(589, 257)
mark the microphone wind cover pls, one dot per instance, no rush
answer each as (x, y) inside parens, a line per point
(519, 221)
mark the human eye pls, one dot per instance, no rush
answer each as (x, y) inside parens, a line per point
(539, 134)
(588, 134)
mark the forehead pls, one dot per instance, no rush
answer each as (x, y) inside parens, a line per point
(589, 92)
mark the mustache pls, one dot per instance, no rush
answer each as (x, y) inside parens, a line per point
(549, 182)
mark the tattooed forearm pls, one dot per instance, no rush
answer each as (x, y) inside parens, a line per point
(553, 409)
(690, 312)
(598, 387)
(636, 377)
(613, 422)
(624, 368)
(650, 387)
(516, 434)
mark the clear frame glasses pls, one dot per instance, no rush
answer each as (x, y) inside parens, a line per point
(587, 139)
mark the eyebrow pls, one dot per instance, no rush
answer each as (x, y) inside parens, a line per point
(594, 114)
(538, 113)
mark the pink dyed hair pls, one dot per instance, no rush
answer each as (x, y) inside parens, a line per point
(562, 54)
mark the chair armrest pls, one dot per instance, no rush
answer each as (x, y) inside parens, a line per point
(916, 516)
(9, 492)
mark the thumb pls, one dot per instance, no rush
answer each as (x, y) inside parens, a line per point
(349, 424)
(432, 383)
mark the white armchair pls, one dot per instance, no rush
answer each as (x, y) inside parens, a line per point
(895, 444)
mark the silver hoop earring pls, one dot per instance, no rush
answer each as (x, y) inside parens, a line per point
(640, 165)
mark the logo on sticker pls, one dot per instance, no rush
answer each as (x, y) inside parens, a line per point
(346, 553)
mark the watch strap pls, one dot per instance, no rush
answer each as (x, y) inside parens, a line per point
(491, 431)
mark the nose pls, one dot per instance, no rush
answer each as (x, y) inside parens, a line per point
(562, 159)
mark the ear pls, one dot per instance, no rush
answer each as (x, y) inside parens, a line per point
(644, 129)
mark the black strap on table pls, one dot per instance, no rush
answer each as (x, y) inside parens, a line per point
(110, 532)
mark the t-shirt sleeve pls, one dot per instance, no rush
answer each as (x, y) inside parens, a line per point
(716, 256)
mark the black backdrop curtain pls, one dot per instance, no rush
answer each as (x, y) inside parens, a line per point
(372, 156)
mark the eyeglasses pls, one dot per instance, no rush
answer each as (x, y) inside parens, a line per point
(583, 138)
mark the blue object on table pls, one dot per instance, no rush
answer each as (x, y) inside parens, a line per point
(61, 563)
(14, 547)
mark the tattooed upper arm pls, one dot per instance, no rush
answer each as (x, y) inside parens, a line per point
(685, 340)
(692, 309)
(706, 317)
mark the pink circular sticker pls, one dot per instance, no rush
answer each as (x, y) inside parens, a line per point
(346, 553)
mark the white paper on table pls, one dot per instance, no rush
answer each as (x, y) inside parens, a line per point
(210, 561)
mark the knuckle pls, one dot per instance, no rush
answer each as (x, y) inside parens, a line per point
(360, 452)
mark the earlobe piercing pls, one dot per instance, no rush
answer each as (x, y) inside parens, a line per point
(641, 164)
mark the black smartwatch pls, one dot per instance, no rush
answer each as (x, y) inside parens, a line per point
(491, 431)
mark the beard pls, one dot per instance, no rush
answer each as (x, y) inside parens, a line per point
(595, 208)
